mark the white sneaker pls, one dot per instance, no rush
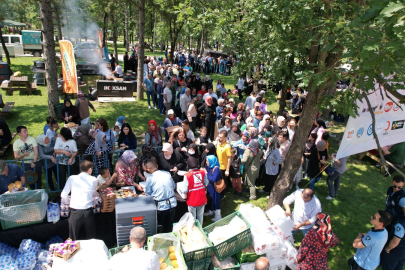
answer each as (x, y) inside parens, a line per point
(209, 213)
(267, 197)
(329, 198)
(155, 108)
(149, 107)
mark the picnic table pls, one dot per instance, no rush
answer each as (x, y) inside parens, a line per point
(18, 84)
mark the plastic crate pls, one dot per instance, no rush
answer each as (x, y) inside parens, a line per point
(23, 208)
(247, 257)
(234, 244)
(203, 264)
(199, 254)
(114, 251)
(236, 267)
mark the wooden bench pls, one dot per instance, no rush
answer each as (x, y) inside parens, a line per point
(4, 148)
(19, 84)
(7, 109)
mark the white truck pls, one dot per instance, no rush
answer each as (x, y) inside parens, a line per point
(29, 42)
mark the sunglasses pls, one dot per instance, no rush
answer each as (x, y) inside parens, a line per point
(396, 187)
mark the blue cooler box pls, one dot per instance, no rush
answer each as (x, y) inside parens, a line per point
(135, 211)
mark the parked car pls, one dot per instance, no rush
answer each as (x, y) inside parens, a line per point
(85, 49)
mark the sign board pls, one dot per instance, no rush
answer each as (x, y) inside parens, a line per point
(70, 85)
(389, 117)
(114, 89)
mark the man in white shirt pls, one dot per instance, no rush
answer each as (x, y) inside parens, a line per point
(118, 71)
(167, 96)
(184, 101)
(135, 257)
(210, 93)
(82, 188)
(241, 82)
(306, 207)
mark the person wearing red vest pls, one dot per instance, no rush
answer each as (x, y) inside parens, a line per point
(194, 184)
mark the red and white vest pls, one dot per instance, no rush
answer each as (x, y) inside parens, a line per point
(196, 190)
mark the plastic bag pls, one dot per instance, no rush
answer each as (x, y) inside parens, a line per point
(222, 233)
(277, 216)
(226, 263)
(190, 235)
(53, 212)
(247, 266)
(160, 243)
(254, 215)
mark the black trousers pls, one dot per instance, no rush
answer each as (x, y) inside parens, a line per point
(269, 181)
(79, 219)
(166, 219)
(67, 170)
(353, 264)
(227, 180)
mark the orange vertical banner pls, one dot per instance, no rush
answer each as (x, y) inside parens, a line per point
(68, 67)
(99, 43)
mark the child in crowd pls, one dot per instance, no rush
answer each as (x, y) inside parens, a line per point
(235, 172)
(203, 140)
(116, 133)
(325, 137)
(235, 90)
(104, 178)
(263, 106)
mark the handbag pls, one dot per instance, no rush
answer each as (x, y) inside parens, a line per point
(219, 185)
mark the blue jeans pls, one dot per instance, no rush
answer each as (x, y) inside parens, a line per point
(197, 212)
(151, 94)
(304, 231)
(313, 181)
(333, 184)
(161, 106)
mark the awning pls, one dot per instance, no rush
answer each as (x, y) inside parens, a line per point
(11, 23)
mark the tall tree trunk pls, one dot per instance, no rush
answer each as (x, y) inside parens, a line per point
(126, 27)
(202, 43)
(283, 98)
(115, 36)
(57, 19)
(286, 85)
(141, 51)
(105, 30)
(3, 44)
(49, 54)
(330, 92)
(154, 34)
(256, 79)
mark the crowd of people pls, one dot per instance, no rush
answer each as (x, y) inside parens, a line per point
(208, 142)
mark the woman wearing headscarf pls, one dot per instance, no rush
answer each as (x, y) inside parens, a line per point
(265, 121)
(102, 125)
(69, 113)
(193, 152)
(171, 161)
(100, 149)
(127, 139)
(254, 134)
(280, 125)
(152, 135)
(248, 121)
(213, 175)
(209, 150)
(251, 161)
(170, 121)
(46, 149)
(312, 253)
(319, 129)
(83, 138)
(272, 164)
(234, 133)
(209, 111)
(260, 95)
(120, 121)
(239, 119)
(126, 169)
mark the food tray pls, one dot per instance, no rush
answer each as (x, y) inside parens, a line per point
(108, 204)
(234, 244)
(199, 254)
(23, 208)
(236, 267)
(67, 256)
(247, 257)
(203, 264)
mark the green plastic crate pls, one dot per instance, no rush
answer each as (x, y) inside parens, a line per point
(199, 254)
(247, 257)
(203, 264)
(234, 244)
(5, 224)
(115, 250)
(236, 267)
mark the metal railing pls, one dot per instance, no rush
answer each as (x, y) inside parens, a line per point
(113, 157)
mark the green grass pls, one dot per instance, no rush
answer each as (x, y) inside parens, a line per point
(361, 194)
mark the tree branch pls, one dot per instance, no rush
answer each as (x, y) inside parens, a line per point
(134, 2)
(389, 88)
(383, 162)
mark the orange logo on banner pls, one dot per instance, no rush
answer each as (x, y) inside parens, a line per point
(68, 67)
